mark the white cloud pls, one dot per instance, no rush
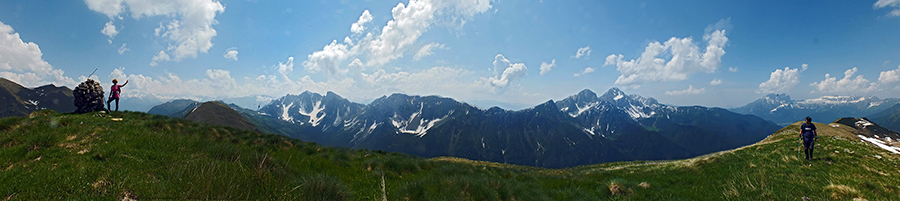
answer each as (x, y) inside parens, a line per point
(123, 49)
(21, 62)
(428, 50)
(733, 69)
(506, 72)
(585, 71)
(780, 81)
(545, 67)
(689, 91)
(109, 30)
(408, 23)
(715, 82)
(803, 67)
(684, 58)
(329, 59)
(360, 25)
(889, 77)
(889, 3)
(285, 68)
(456, 82)
(189, 26)
(848, 84)
(161, 56)
(231, 53)
(582, 52)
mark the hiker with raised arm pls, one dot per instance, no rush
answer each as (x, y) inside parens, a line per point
(810, 136)
(114, 94)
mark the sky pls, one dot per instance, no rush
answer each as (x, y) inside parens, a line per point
(515, 54)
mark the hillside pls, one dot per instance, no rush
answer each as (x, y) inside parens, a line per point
(217, 113)
(143, 156)
(16, 100)
(889, 118)
(175, 108)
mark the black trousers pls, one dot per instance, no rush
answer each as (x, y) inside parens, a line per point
(808, 146)
(110, 100)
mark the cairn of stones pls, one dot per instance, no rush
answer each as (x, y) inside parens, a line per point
(88, 97)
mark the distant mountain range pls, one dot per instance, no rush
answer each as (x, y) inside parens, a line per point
(16, 100)
(581, 129)
(782, 110)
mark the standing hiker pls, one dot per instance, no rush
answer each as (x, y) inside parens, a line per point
(114, 94)
(810, 136)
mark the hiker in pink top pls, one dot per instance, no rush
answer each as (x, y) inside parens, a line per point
(114, 94)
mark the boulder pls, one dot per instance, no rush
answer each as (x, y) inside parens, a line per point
(88, 97)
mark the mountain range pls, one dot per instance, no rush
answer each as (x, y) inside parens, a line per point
(889, 118)
(782, 110)
(582, 129)
(16, 100)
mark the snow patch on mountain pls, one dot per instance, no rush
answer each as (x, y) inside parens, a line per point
(881, 144)
(834, 100)
(584, 109)
(284, 112)
(421, 127)
(313, 113)
(620, 96)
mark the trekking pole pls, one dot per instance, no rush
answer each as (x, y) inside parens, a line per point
(800, 149)
(92, 73)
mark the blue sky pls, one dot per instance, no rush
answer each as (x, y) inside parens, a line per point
(512, 53)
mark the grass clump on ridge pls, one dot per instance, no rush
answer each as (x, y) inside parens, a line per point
(92, 157)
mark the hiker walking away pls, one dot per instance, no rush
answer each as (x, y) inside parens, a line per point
(114, 94)
(810, 136)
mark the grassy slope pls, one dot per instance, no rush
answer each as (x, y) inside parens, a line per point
(87, 157)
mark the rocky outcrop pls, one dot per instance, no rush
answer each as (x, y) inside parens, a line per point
(88, 97)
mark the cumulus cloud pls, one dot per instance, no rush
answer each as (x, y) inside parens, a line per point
(285, 68)
(123, 49)
(545, 67)
(21, 62)
(582, 52)
(894, 4)
(585, 71)
(506, 71)
(161, 56)
(733, 69)
(449, 80)
(889, 77)
(848, 84)
(428, 50)
(109, 30)
(408, 23)
(329, 59)
(689, 91)
(780, 81)
(231, 53)
(360, 25)
(189, 25)
(166, 86)
(673, 60)
(803, 67)
(715, 82)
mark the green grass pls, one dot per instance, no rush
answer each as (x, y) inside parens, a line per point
(90, 157)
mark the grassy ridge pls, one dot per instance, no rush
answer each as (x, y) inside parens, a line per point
(90, 157)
